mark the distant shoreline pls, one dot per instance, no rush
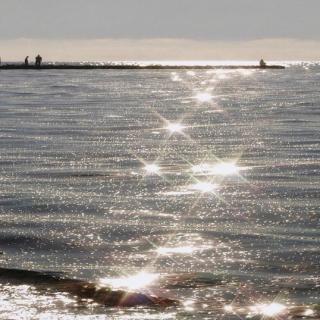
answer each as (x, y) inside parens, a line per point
(130, 66)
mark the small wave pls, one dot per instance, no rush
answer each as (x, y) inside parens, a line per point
(193, 280)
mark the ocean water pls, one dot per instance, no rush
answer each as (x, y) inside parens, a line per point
(200, 186)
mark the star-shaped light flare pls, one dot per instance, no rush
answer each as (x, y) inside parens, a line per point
(175, 127)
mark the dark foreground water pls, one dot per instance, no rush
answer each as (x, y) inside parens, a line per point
(201, 186)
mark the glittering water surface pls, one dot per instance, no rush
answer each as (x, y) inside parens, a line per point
(201, 186)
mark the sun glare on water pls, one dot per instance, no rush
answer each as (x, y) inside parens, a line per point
(175, 77)
(191, 73)
(269, 310)
(225, 169)
(138, 281)
(273, 309)
(203, 97)
(203, 168)
(203, 187)
(175, 250)
(152, 169)
(175, 127)
(222, 169)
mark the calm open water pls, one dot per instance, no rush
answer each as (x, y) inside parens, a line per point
(201, 186)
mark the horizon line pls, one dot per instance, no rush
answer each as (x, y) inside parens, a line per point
(160, 49)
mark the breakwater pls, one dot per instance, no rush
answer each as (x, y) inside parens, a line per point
(130, 66)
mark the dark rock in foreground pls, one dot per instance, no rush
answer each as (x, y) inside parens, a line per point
(81, 289)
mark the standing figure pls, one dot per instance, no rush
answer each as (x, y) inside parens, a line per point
(38, 60)
(262, 63)
(26, 61)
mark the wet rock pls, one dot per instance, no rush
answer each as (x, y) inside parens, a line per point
(53, 282)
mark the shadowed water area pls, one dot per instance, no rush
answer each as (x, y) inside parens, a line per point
(201, 186)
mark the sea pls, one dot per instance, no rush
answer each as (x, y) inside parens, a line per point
(201, 186)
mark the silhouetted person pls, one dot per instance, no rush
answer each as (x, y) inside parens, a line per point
(38, 60)
(26, 61)
(262, 63)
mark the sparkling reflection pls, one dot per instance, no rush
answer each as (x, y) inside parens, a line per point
(175, 127)
(272, 309)
(191, 73)
(175, 250)
(26, 302)
(308, 313)
(223, 169)
(246, 72)
(203, 97)
(175, 77)
(152, 169)
(138, 281)
(189, 305)
(204, 187)
(228, 308)
(203, 168)
(83, 195)
(268, 310)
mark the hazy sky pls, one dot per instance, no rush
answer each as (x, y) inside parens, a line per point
(137, 22)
